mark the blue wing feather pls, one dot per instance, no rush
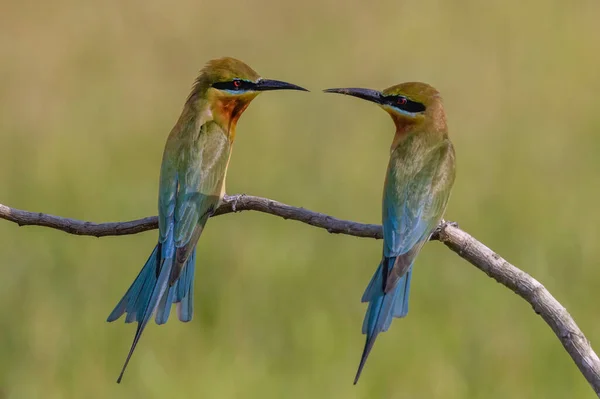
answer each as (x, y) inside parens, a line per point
(145, 310)
(403, 287)
(128, 303)
(181, 291)
(185, 297)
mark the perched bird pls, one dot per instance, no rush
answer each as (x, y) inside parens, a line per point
(192, 184)
(417, 186)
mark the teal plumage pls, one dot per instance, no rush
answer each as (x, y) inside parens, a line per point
(417, 186)
(192, 183)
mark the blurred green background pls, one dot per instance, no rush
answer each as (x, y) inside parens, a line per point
(89, 92)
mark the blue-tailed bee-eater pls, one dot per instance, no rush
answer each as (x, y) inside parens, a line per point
(192, 184)
(418, 181)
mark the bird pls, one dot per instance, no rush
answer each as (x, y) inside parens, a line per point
(419, 177)
(191, 187)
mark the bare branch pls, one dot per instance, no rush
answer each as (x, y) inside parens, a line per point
(77, 227)
(236, 203)
(531, 290)
(467, 247)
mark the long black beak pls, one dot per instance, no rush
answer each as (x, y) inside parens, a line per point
(366, 94)
(268, 84)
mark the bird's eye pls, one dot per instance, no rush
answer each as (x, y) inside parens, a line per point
(234, 85)
(404, 104)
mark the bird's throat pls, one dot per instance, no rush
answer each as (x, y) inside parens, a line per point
(402, 131)
(227, 112)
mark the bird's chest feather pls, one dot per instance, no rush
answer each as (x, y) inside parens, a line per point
(204, 160)
(407, 159)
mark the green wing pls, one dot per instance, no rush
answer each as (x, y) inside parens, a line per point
(199, 161)
(415, 196)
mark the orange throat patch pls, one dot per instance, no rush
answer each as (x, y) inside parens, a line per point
(228, 112)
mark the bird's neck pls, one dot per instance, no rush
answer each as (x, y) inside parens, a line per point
(226, 112)
(223, 111)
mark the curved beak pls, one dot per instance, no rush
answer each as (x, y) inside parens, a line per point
(268, 84)
(366, 94)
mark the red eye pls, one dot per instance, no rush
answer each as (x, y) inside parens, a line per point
(237, 83)
(401, 100)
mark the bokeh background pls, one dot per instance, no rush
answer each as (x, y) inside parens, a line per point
(89, 92)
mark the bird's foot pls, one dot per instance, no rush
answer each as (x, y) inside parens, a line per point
(436, 234)
(234, 200)
(452, 224)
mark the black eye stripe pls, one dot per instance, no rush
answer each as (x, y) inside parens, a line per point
(404, 104)
(235, 85)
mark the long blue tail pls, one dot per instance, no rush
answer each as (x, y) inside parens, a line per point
(150, 292)
(382, 309)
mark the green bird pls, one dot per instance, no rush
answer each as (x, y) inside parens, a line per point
(192, 184)
(419, 177)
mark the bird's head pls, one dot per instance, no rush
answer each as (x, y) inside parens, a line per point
(409, 104)
(229, 86)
